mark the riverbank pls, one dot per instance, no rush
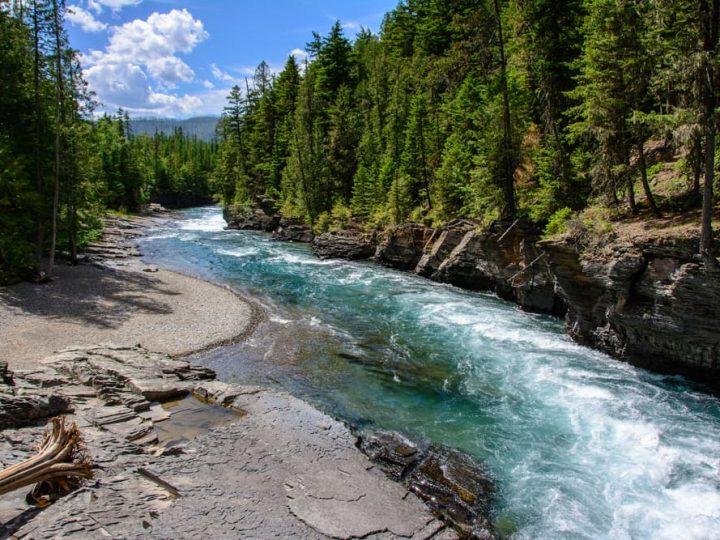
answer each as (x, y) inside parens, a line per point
(157, 462)
(93, 304)
(214, 460)
(633, 288)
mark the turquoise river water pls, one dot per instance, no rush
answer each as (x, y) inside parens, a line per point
(580, 445)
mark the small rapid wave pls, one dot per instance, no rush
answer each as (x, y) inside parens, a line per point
(207, 222)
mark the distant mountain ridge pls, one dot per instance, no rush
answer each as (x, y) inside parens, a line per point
(203, 127)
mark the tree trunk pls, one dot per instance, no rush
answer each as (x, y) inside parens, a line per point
(40, 237)
(426, 181)
(644, 177)
(508, 187)
(629, 182)
(60, 456)
(709, 18)
(58, 125)
(697, 168)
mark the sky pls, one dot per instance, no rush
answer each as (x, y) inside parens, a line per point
(179, 58)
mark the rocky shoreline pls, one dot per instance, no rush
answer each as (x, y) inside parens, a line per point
(651, 303)
(263, 463)
(275, 465)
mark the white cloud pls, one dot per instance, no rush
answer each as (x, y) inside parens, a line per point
(221, 75)
(170, 70)
(160, 35)
(351, 25)
(207, 84)
(84, 19)
(299, 54)
(139, 64)
(115, 5)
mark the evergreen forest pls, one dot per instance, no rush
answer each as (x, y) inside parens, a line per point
(61, 167)
(486, 110)
(482, 109)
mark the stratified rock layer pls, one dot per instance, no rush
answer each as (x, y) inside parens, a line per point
(654, 304)
(279, 469)
(350, 244)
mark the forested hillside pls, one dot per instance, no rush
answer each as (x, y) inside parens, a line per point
(60, 169)
(202, 127)
(471, 108)
(484, 109)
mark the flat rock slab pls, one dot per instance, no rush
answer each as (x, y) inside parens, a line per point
(282, 469)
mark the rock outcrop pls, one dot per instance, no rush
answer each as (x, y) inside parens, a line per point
(261, 216)
(350, 244)
(293, 230)
(504, 259)
(404, 246)
(654, 304)
(441, 244)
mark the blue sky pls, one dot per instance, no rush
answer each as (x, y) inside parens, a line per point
(180, 58)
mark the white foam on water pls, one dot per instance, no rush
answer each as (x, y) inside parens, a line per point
(292, 258)
(160, 236)
(239, 252)
(210, 222)
(279, 320)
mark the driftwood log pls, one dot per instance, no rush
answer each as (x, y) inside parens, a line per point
(61, 461)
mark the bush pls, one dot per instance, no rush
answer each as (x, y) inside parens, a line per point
(558, 223)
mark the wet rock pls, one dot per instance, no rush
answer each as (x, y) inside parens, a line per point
(653, 304)
(441, 244)
(395, 454)
(504, 259)
(404, 246)
(455, 486)
(261, 216)
(293, 230)
(350, 244)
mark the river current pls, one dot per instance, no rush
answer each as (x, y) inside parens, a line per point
(580, 445)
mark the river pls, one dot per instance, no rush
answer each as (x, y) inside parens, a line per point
(580, 445)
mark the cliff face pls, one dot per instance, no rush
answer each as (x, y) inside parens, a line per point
(502, 259)
(653, 304)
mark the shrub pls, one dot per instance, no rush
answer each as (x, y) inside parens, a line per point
(558, 223)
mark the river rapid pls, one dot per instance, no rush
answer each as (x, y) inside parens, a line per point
(580, 445)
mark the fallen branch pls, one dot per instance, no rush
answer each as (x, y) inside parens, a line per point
(503, 235)
(522, 271)
(61, 460)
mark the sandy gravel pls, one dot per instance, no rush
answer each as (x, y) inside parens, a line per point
(85, 305)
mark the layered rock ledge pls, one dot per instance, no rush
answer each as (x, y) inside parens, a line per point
(653, 303)
(278, 468)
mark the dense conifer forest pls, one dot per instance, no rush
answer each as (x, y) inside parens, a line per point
(482, 109)
(471, 108)
(61, 168)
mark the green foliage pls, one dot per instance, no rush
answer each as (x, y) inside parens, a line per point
(557, 224)
(456, 109)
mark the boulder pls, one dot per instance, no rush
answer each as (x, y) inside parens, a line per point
(404, 246)
(351, 244)
(261, 216)
(293, 230)
(23, 409)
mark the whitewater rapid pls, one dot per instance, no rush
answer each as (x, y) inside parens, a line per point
(581, 445)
